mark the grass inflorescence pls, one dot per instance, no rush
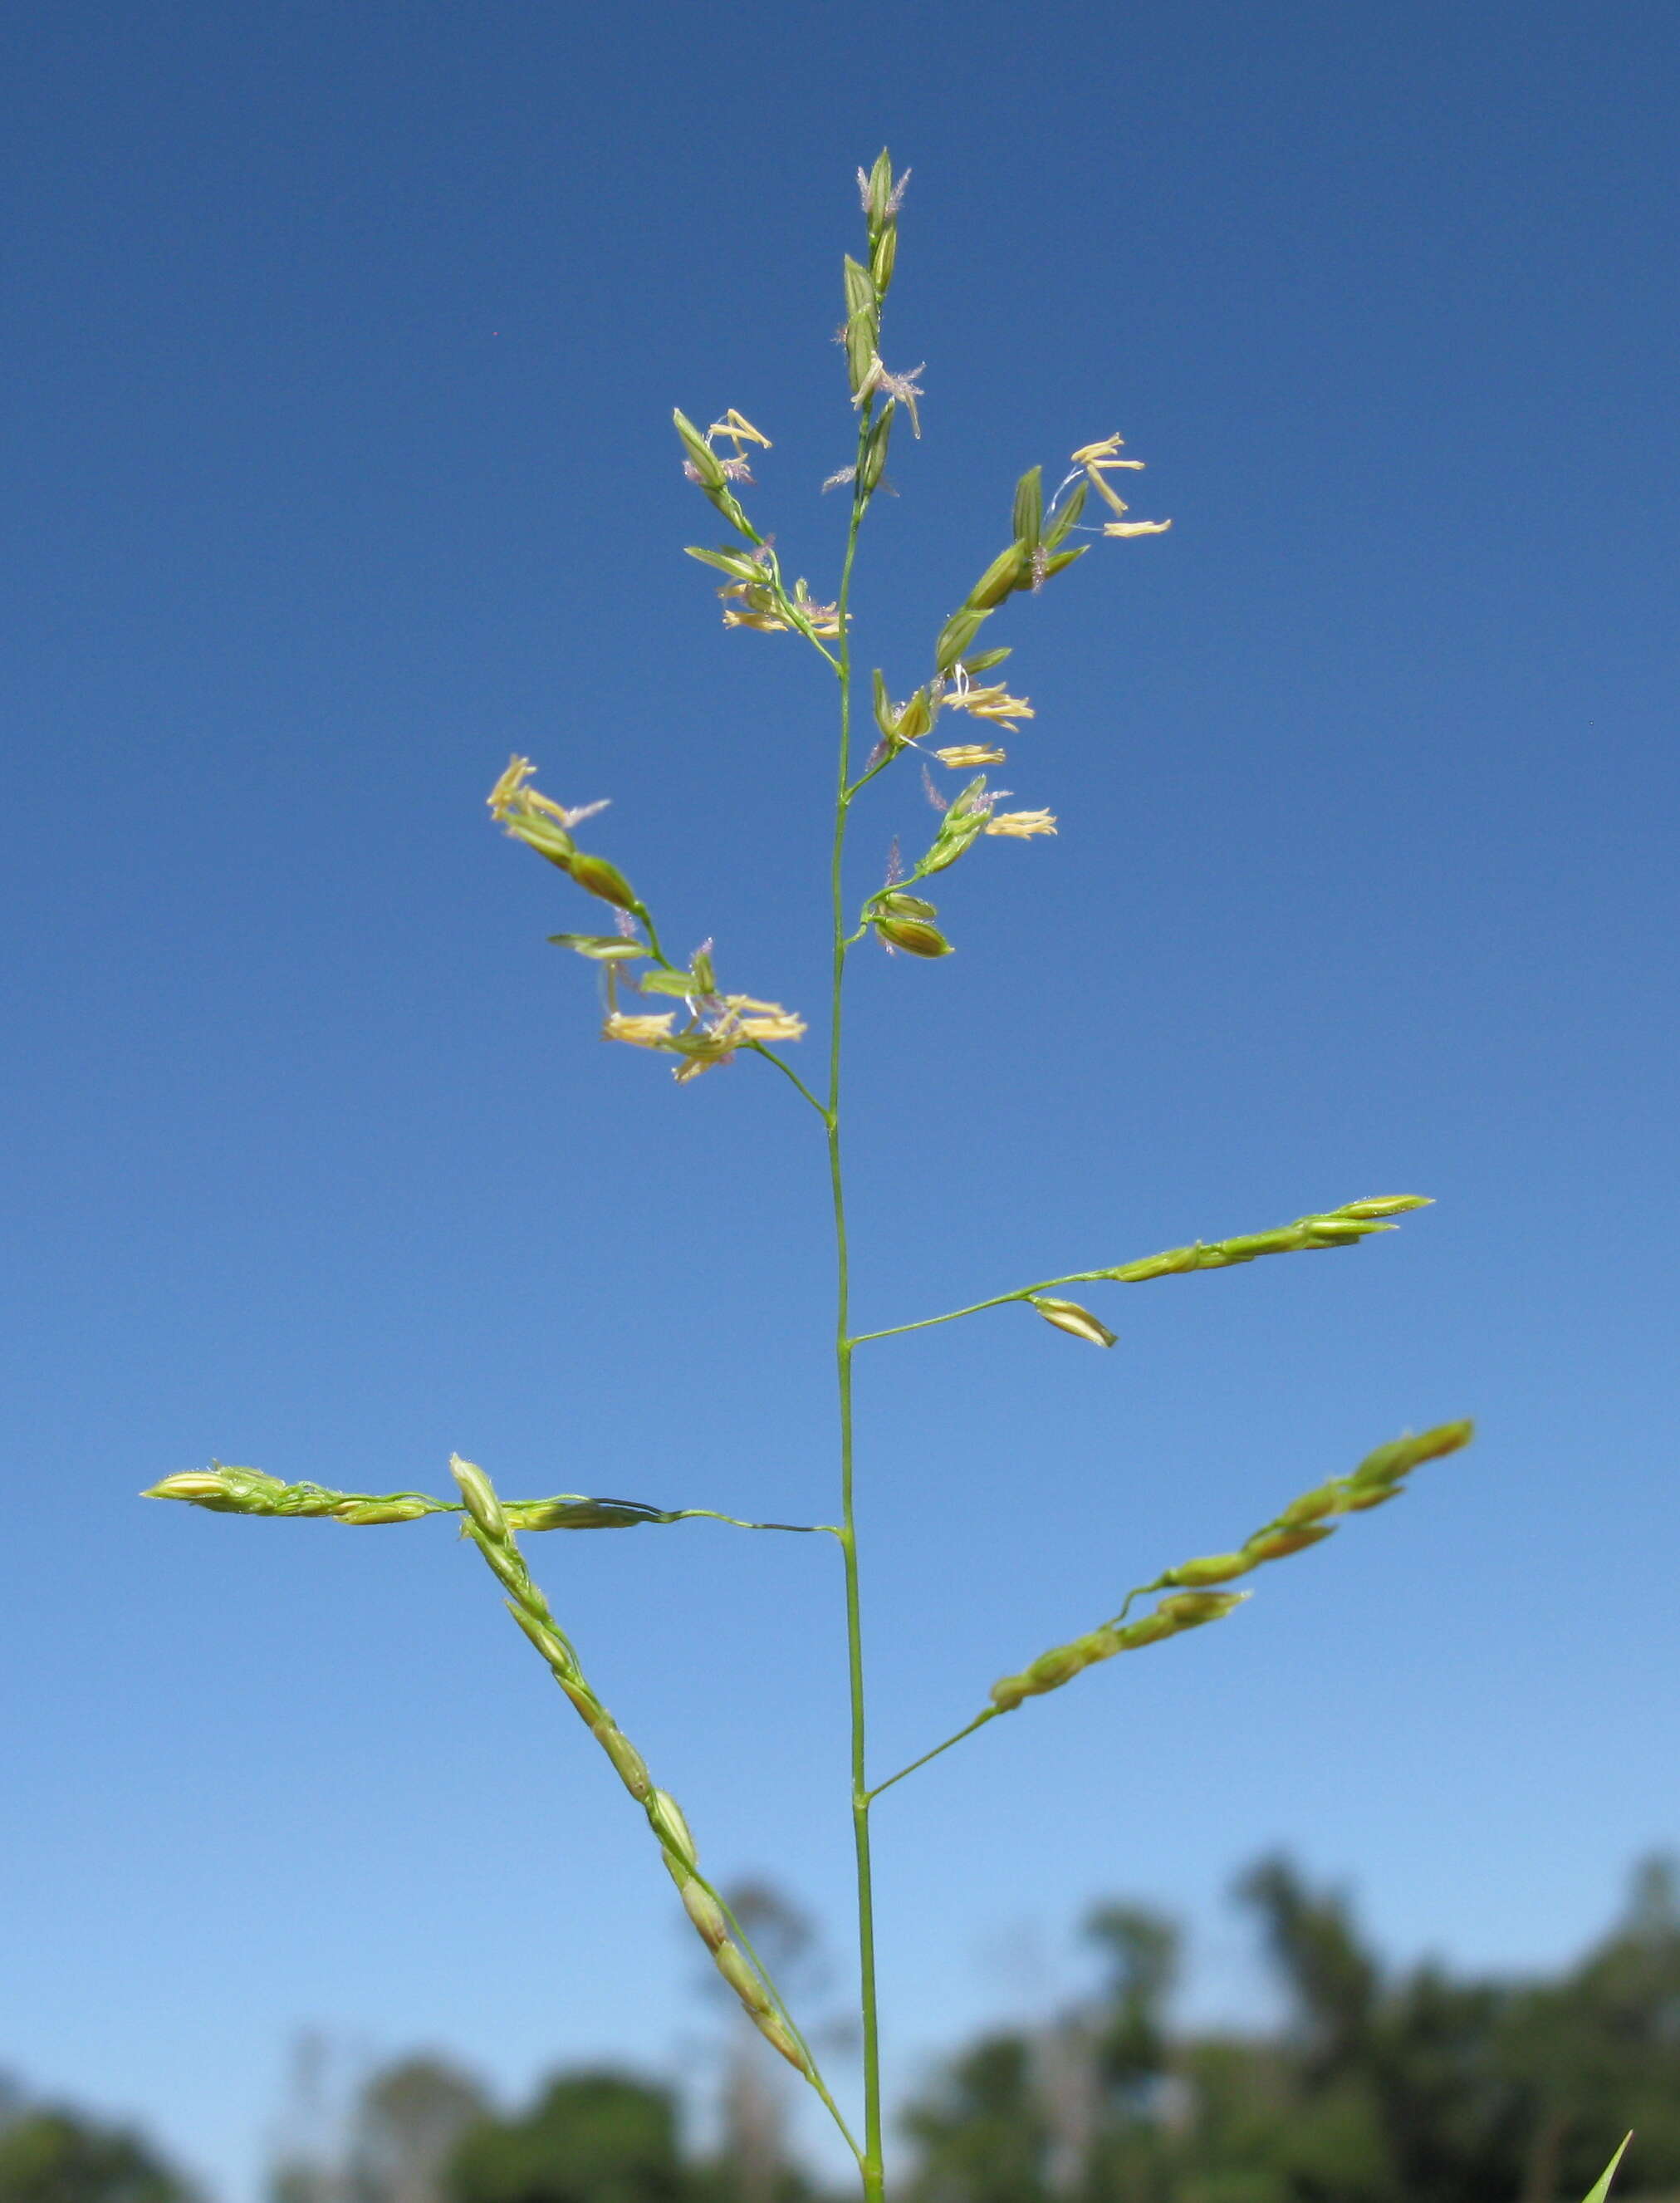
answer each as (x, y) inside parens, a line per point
(952, 715)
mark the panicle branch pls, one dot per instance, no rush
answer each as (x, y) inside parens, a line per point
(1306, 1521)
(1038, 549)
(716, 1026)
(1335, 1227)
(225, 1490)
(488, 1528)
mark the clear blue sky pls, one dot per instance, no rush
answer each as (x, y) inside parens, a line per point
(343, 343)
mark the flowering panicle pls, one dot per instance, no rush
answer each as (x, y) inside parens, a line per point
(905, 921)
(718, 1025)
(1038, 549)
(761, 604)
(866, 288)
(740, 432)
(716, 472)
(725, 1024)
(511, 798)
(731, 466)
(974, 812)
(680, 1011)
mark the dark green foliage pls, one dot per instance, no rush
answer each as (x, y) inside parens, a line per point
(51, 2156)
(1331, 1979)
(410, 2122)
(592, 2138)
(1142, 1953)
(1603, 2044)
(1381, 2087)
(984, 2135)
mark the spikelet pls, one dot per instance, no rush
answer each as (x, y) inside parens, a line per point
(1068, 1315)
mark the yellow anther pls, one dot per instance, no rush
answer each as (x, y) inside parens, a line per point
(739, 429)
(639, 1031)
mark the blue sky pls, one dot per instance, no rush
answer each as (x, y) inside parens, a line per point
(343, 348)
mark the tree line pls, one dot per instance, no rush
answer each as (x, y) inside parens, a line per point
(1381, 2084)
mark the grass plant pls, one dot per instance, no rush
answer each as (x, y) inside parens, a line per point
(954, 721)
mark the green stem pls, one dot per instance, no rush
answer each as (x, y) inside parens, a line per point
(711, 1514)
(1318, 1234)
(998, 1300)
(1137, 1591)
(638, 910)
(788, 1072)
(881, 765)
(979, 1722)
(872, 2165)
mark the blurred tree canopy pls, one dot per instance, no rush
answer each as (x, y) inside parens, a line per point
(590, 2138)
(51, 2155)
(408, 2125)
(1382, 2086)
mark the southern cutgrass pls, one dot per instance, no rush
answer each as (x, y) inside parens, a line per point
(681, 1010)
